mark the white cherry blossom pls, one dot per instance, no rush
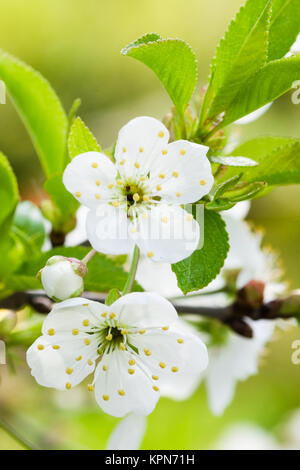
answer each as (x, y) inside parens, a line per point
(138, 199)
(130, 347)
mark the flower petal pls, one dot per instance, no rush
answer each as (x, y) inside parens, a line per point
(88, 176)
(119, 392)
(140, 143)
(128, 434)
(168, 233)
(184, 174)
(66, 352)
(107, 230)
(144, 309)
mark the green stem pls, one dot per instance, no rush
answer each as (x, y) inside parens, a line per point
(16, 436)
(132, 271)
(89, 256)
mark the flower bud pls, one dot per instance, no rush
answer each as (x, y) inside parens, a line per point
(62, 277)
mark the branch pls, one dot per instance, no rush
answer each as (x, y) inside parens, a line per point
(233, 315)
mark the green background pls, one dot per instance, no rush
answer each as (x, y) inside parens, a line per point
(76, 45)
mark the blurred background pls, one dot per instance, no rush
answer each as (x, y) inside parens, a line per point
(76, 46)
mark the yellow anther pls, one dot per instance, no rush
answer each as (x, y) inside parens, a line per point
(78, 194)
(104, 314)
(110, 186)
(55, 347)
(175, 174)
(75, 332)
(112, 315)
(104, 368)
(109, 337)
(124, 149)
(158, 187)
(85, 305)
(142, 332)
(136, 197)
(182, 152)
(68, 386)
(90, 362)
(165, 220)
(87, 341)
(202, 182)
(141, 149)
(78, 358)
(133, 230)
(143, 178)
(105, 397)
(162, 365)
(131, 371)
(146, 198)
(161, 134)
(90, 388)
(86, 322)
(41, 347)
(189, 217)
(155, 377)
(115, 203)
(119, 182)
(122, 347)
(137, 165)
(51, 332)
(155, 388)
(94, 165)
(174, 369)
(69, 370)
(98, 183)
(121, 393)
(131, 362)
(178, 194)
(124, 331)
(180, 341)
(150, 254)
(165, 328)
(164, 152)
(97, 196)
(162, 175)
(122, 162)
(147, 352)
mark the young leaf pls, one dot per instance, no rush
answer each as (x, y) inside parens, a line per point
(172, 60)
(40, 109)
(241, 53)
(81, 140)
(103, 272)
(204, 265)
(278, 158)
(270, 82)
(284, 27)
(9, 195)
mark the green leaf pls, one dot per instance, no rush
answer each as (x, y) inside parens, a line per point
(204, 265)
(278, 158)
(29, 220)
(103, 272)
(62, 199)
(234, 161)
(81, 140)
(113, 295)
(272, 81)
(241, 53)
(40, 110)
(172, 60)
(284, 27)
(9, 194)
